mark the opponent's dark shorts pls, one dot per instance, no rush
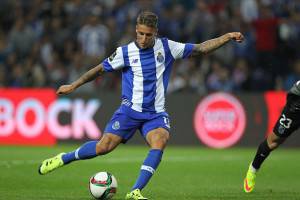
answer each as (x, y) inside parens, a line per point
(289, 120)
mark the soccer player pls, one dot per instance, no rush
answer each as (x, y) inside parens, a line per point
(146, 64)
(286, 124)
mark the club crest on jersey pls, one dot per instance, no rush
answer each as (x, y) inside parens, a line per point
(160, 58)
(116, 125)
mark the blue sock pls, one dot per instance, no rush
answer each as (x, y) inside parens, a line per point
(86, 151)
(148, 168)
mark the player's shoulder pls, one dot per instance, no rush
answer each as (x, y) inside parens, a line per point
(171, 43)
(164, 39)
(167, 42)
(119, 52)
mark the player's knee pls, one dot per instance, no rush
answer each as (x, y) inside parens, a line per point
(107, 143)
(273, 145)
(163, 138)
(102, 149)
(159, 141)
(274, 141)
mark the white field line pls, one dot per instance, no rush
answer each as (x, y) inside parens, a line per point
(175, 159)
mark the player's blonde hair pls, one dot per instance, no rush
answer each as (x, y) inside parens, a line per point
(147, 18)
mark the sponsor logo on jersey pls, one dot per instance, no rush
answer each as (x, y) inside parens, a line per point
(134, 61)
(219, 120)
(112, 56)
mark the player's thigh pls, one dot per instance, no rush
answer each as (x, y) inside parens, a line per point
(289, 120)
(156, 130)
(122, 125)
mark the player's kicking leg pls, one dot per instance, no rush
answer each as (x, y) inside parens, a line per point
(263, 151)
(51, 164)
(88, 150)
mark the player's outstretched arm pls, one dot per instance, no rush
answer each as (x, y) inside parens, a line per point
(213, 44)
(86, 77)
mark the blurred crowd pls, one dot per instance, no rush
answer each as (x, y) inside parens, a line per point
(46, 43)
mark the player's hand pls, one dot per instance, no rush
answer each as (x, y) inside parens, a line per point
(236, 36)
(65, 89)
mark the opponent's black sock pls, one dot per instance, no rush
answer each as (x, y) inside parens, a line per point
(262, 153)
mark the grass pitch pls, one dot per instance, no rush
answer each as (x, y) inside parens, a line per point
(186, 173)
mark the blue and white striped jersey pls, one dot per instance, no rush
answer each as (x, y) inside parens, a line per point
(146, 72)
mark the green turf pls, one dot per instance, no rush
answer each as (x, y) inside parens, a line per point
(185, 174)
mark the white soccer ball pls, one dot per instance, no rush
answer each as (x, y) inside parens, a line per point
(103, 185)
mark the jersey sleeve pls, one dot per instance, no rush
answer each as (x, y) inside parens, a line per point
(180, 50)
(115, 61)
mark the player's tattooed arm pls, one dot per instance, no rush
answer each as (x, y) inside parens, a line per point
(213, 44)
(86, 77)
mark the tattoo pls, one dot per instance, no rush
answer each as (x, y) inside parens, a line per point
(210, 45)
(89, 76)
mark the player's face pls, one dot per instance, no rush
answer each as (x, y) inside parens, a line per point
(145, 36)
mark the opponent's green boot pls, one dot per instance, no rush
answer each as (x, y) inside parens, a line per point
(135, 195)
(249, 181)
(51, 164)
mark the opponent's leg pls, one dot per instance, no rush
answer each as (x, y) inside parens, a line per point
(157, 140)
(88, 150)
(286, 124)
(263, 151)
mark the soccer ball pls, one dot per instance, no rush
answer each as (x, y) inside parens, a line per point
(103, 185)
